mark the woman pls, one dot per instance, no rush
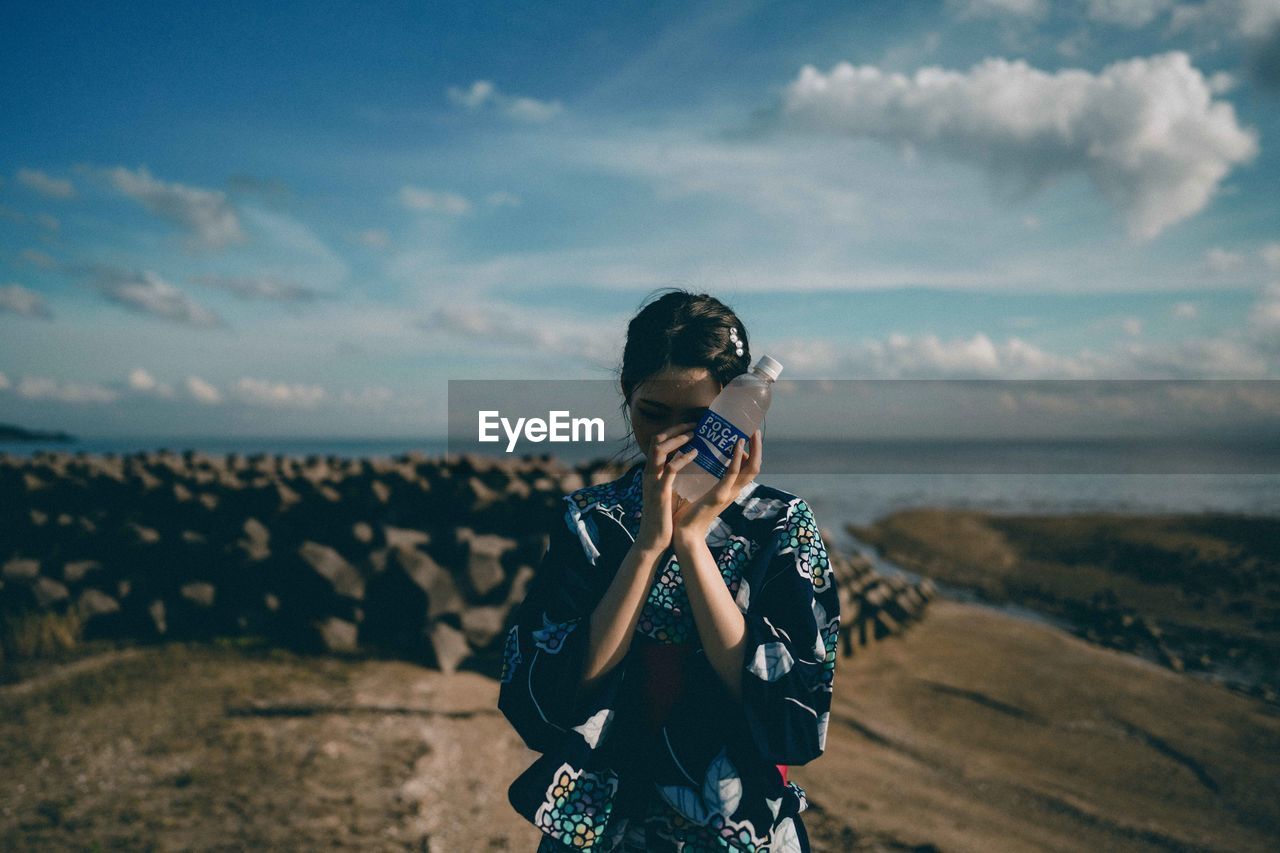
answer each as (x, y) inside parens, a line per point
(671, 659)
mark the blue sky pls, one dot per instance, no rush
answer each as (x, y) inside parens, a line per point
(254, 219)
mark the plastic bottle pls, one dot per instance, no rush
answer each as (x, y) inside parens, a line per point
(734, 414)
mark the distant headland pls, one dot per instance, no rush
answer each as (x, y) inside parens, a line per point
(9, 432)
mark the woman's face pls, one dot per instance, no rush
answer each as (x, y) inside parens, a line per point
(670, 397)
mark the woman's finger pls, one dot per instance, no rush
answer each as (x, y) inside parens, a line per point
(728, 483)
(756, 456)
(674, 440)
(681, 459)
(658, 437)
(667, 447)
(668, 497)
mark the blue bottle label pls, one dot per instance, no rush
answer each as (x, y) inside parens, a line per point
(715, 439)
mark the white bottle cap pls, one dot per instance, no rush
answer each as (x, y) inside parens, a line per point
(770, 367)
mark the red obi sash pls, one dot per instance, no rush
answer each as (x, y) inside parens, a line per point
(666, 668)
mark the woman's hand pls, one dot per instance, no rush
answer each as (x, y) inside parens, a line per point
(657, 524)
(693, 520)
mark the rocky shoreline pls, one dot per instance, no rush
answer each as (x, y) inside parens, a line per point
(421, 558)
(1197, 593)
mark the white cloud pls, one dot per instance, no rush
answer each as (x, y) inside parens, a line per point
(482, 94)
(1258, 18)
(474, 97)
(1221, 82)
(1248, 19)
(261, 287)
(1264, 317)
(1219, 398)
(502, 198)
(1270, 254)
(1145, 131)
(142, 382)
(1132, 326)
(207, 214)
(43, 220)
(374, 238)
(1254, 23)
(4, 382)
(16, 299)
(531, 109)
(1237, 354)
(202, 391)
(417, 198)
(43, 388)
(1127, 13)
(147, 293)
(373, 396)
(37, 258)
(901, 356)
(787, 183)
(1222, 261)
(45, 184)
(1198, 358)
(287, 249)
(1072, 46)
(266, 393)
(493, 324)
(1185, 310)
(997, 8)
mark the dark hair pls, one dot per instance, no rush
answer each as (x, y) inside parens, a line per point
(680, 329)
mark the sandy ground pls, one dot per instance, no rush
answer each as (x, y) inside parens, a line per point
(978, 731)
(972, 731)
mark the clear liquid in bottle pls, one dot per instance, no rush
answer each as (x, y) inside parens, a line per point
(735, 413)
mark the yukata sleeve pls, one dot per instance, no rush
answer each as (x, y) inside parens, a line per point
(546, 647)
(792, 622)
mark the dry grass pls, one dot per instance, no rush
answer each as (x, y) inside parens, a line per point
(36, 636)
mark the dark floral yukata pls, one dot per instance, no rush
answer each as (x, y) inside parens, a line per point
(707, 778)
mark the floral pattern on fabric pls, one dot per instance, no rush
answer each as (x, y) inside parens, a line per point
(771, 661)
(510, 656)
(830, 639)
(811, 554)
(825, 648)
(550, 638)
(577, 806)
(666, 616)
(739, 836)
(786, 688)
(711, 807)
(622, 502)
